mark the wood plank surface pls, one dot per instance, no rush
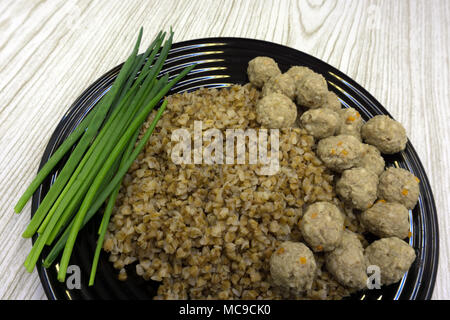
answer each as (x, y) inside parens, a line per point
(51, 50)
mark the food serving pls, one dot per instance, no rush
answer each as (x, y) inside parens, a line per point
(226, 231)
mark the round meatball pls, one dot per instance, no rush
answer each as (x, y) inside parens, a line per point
(347, 262)
(399, 185)
(332, 101)
(261, 69)
(388, 135)
(311, 91)
(320, 123)
(386, 219)
(282, 83)
(371, 159)
(358, 187)
(340, 152)
(393, 256)
(350, 122)
(322, 226)
(276, 111)
(293, 266)
(297, 73)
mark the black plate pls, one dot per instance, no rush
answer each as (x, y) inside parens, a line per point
(222, 62)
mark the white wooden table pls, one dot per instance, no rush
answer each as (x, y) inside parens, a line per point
(50, 51)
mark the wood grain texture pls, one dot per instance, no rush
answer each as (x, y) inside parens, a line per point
(50, 51)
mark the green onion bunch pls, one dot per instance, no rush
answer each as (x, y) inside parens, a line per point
(106, 146)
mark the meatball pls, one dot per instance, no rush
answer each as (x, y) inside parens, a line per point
(371, 159)
(388, 135)
(350, 122)
(282, 83)
(347, 262)
(311, 91)
(293, 266)
(332, 101)
(320, 123)
(322, 226)
(340, 152)
(393, 256)
(399, 185)
(297, 73)
(261, 69)
(276, 111)
(386, 219)
(358, 187)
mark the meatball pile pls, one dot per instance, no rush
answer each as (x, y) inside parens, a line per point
(282, 93)
(352, 149)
